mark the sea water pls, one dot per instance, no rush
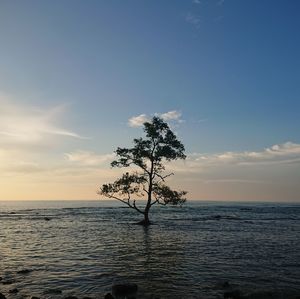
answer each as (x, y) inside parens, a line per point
(81, 248)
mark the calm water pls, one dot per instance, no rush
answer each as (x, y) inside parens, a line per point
(189, 253)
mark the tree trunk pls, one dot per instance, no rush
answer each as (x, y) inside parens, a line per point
(146, 216)
(146, 220)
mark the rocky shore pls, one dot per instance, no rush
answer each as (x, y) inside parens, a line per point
(127, 290)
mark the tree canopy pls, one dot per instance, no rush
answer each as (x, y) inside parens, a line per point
(147, 157)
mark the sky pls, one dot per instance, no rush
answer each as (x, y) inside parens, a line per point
(78, 78)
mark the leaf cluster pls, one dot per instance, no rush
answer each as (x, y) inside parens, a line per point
(160, 143)
(164, 195)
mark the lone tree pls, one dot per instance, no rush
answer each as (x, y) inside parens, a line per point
(147, 156)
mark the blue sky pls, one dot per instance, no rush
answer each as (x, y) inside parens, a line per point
(230, 68)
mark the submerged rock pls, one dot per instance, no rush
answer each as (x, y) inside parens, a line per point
(108, 296)
(236, 294)
(34, 297)
(264, 295)
(226, 285)
(2, 296)
(13, 291)
(53, 291)
(125, 289)
(8, 281)
(24, 271)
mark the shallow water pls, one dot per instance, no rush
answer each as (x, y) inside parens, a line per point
(189, 253)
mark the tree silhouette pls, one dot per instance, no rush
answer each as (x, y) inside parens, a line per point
(147, 156)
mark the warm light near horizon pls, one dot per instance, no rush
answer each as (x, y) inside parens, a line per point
(32, 167)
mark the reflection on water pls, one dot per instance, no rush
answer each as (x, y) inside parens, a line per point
(189, 253)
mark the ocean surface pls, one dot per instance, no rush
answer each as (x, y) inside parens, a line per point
(81, 248)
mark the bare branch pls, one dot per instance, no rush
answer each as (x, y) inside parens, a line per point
(162, 203)
(117, 198)
(135, 207)
(162, 178)
(154, 202)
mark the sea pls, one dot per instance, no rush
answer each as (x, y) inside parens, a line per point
(55, 249)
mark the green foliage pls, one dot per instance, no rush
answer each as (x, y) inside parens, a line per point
(147, 154)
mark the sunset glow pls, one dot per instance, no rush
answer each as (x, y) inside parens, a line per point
(79, 89)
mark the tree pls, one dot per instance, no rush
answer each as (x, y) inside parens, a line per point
(147, 156)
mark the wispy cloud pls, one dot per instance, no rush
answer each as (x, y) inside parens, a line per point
(197, 2)
(171, 115)
(233, 181)
(279, 153)
(193, 19)
(23, 167)
(138, 121)
(18, 161)
(30, 125)
(87, 158)
(285, 153)
(220, 2)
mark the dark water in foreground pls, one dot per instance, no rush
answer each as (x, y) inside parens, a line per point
(189, 253)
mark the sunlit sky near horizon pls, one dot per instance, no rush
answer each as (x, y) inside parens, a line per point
(77, 78)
